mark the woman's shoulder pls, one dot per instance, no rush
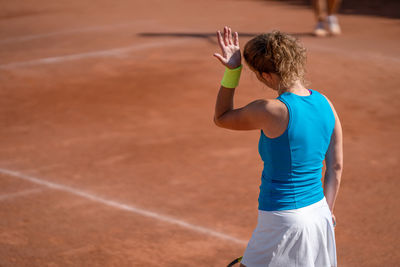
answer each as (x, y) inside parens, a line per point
(327, 99)
(277, 117)
(272, 106)
(272, 110)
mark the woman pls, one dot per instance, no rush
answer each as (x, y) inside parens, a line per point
(298, 130)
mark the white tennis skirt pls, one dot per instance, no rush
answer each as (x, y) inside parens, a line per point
(293, 238)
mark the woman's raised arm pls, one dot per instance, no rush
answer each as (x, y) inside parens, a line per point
(250, 117)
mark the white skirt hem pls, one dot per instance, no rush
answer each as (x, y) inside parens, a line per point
(302, 237)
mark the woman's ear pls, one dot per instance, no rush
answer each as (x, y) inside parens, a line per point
(267, 77)
(272, 80)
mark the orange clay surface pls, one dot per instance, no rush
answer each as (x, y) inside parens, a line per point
(109, 155)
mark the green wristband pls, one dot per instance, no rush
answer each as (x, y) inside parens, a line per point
(231, 77)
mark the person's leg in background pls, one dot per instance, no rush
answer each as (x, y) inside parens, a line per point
(319, 7)
(333, 23)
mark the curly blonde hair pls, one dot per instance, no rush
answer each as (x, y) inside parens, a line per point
(278, 53)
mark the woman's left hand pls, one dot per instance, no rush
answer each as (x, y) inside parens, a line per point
(231, 56)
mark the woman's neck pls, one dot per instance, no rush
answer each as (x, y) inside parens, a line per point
(297, 88)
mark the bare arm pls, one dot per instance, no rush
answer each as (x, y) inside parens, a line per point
(252, 116)
(334, 163)
(255, 115)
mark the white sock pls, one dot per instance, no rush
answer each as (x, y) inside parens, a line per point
(332, 19)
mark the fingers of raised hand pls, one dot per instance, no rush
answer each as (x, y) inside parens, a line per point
(230, 38)
(226, 37)
(236, 39)
(230, 42)
(220, 40)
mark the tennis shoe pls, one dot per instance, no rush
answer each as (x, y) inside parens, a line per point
(320, 30)
(333, 25)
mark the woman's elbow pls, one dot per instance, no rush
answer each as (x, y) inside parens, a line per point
(217, 121)
(336, 167)
(220, 122)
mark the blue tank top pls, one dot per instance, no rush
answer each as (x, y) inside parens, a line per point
(292, 173)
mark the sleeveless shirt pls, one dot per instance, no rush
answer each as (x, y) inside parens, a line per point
(292, 173)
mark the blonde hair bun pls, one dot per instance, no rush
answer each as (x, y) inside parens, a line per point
(279, 53)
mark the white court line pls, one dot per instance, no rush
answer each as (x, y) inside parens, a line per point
(119, 51)
(72, 31)
(20, 193)
(122, 206)
(102, 53)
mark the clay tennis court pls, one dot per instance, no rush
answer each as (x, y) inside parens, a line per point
(109, 155)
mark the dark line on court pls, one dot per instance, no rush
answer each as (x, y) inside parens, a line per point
(210, 36)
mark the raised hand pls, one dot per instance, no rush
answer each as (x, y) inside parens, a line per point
(229, 44)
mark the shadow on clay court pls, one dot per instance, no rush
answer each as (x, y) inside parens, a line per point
(211, 37)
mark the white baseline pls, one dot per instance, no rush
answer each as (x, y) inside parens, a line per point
(122, 206)
(102, 53)
(100, 28)
(20, 193)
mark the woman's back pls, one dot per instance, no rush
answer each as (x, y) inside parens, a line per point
(295, 220)
(292, 172)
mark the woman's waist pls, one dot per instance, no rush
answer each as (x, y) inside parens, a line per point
(288, 197)
(290, 183)
(290, 174)
(318, 209)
